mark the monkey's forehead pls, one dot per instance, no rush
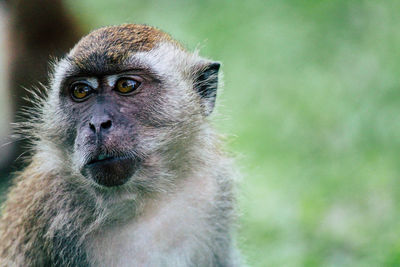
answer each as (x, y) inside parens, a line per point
(112, 45)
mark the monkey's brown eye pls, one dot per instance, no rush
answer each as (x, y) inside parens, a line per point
(125, 86)
(80, 91)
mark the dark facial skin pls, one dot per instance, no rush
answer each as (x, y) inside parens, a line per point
(110, 122)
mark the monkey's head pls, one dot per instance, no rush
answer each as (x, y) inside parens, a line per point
(124, 98)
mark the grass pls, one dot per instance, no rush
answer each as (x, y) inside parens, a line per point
(311, 103)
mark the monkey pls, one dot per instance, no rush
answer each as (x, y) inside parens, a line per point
(127, 169)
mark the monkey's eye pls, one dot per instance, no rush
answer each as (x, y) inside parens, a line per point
(125, 86)
(80, 91)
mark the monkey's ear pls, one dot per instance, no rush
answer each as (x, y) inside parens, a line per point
(206, 84)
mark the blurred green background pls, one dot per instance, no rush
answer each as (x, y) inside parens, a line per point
(311, 107)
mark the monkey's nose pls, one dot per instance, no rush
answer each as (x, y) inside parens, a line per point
(98, 125)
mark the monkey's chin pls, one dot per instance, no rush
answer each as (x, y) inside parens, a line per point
(111, 171)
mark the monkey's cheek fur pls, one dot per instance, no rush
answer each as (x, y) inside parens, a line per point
(111, 172)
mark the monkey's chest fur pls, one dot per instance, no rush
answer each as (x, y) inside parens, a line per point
(174, 231)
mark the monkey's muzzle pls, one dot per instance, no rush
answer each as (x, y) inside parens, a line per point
(110, 170)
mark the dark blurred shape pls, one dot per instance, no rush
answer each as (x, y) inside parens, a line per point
(38, 31)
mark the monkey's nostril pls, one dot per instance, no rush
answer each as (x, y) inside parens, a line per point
(92, 127)
(106, 125)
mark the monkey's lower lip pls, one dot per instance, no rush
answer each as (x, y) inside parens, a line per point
(111, 171)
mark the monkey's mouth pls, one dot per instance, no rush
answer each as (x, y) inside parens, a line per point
(104, 158)
(110, 170)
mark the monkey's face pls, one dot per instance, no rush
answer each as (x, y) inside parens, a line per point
(113, 113)
(122, 112)
(118, 120)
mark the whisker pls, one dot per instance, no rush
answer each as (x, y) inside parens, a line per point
(12, 142)
(22, 154)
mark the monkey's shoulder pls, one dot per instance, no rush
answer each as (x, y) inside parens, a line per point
(23, 221)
